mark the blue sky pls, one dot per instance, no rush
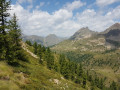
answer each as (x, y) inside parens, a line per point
(65, 17)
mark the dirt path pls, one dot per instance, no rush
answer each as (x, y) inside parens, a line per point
(26, 49)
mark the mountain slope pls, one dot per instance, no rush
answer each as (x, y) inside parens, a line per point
(115, 26)
(49, 40)
(82, 33)
(32, 76)
(112, 35)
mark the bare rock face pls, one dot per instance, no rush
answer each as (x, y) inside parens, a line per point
(82, 33)
(115, 26)
(112, 34)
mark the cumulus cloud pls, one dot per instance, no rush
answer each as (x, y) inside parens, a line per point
(41, 22)
(102, 3)
(74, 5)
(96, 21)
(62, 22)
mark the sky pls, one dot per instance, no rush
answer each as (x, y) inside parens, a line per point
(64, 17)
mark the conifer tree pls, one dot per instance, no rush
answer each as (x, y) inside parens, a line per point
(113, 86)
(4, 7)
(80, 71)
(49, 59)
(28, 42)
(35, 47)
(39, 52)
(15, 31)
(15, 52)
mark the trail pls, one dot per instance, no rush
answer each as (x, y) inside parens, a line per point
(27, 50)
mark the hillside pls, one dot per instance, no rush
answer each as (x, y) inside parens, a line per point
(112, 34)
(32, 75)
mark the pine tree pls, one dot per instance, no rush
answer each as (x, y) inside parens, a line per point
(80, 71)
(15, 50)
(84, 81)
(49, 59)
(4, 48)
(35, 47)
(28, 42)
(15, 31)
(113, 86)
(39, 52)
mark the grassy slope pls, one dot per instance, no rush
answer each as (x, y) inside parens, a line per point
(31, 75)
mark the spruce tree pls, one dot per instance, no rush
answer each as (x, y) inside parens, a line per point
(15, 52)
(4, 48)
(35, 47)
(39, 52)
(15, 32)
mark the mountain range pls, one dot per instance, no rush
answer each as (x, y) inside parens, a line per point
(88, 40)
(49, 40)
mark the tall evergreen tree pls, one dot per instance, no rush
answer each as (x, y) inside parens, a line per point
(113, 86)
(15, 51)
(49, 59)
(39, 52)
(80, 71)
(35, 47)
(15, 31)
(4, 7)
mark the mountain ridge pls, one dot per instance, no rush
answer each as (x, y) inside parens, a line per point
(84, 32)
(47, 41)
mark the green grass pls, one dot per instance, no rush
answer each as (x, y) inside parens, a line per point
(33, 76)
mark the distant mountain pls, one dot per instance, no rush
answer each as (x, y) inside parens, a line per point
(87, 40)
(112, 34)
(49, 40)
(115, 26)
(33, 38)
(52, 39)
(82, 33)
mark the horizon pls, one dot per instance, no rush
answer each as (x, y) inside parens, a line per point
(64, 18)
(71, 35)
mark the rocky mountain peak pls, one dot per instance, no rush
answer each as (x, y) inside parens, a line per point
(115, 26)
(84, 32)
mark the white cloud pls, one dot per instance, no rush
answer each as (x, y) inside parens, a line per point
(62, 22)
(114, 14)
(74, 5)
(41, 22)
(102, 3)
(96, 21)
